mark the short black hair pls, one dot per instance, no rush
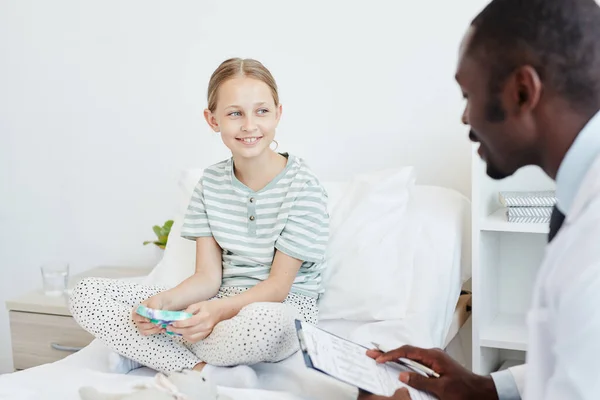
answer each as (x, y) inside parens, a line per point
(559, 38)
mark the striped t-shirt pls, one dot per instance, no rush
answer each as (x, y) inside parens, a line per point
(289, 215)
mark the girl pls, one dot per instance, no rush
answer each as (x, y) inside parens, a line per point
(260, 223)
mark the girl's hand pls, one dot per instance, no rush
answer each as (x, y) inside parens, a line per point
(206, 315)
(143, 324)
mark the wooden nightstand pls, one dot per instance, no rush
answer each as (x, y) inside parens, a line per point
(42, 328)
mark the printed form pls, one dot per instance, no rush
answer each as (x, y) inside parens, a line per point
(348, 362)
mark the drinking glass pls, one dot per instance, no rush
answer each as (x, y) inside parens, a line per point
(55, 278)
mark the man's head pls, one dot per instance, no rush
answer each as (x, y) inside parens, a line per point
(518, 61)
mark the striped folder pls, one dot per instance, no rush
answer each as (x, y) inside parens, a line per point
(529, 214)
(528, 199)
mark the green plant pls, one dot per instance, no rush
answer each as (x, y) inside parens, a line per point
(162, 233)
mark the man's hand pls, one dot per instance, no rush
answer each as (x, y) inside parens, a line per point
(206, 315)
(401, 394)
(454, 383)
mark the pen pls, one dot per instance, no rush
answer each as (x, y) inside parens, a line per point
(415, 366)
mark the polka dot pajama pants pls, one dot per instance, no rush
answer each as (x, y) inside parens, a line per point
(261, 332)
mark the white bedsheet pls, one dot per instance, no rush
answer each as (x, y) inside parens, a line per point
(287, 380)
(62, 379)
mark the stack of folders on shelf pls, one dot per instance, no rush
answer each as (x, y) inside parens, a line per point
(528, 207)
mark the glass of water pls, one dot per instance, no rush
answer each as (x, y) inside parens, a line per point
(55, 277)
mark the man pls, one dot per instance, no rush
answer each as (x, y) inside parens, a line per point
(530, 73)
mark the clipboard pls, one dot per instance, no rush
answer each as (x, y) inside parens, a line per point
(304, 347)
(346, 361)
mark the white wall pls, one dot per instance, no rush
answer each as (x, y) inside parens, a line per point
(101, 106)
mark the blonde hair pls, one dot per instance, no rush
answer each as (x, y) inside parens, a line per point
(235, 67)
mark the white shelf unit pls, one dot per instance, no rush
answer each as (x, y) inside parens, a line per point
(505, 331)
(506, 257)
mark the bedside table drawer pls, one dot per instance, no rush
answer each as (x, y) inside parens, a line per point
(44, 338)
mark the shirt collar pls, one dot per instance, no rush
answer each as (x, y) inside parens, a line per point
(577, 162)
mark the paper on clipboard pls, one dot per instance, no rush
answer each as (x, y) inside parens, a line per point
(349, 363)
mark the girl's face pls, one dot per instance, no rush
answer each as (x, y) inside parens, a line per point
(246, 115)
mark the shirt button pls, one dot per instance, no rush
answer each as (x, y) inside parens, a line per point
(252, 218)
(251, 199)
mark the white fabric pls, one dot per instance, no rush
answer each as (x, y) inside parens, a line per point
(61, 380)
(121, 365)
(371, 249)
(519, 373)
(89, 367)
(506, 386)
(440, 265)
(439, 219)
(437, 277)
(564, 320)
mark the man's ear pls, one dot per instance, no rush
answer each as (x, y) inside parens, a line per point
(528, 88)
(211, 120)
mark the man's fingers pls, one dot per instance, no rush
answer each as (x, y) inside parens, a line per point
(369, 396)
(421, 382)
(402, 394)
(374, 353)
(404, 351)
(424, 356)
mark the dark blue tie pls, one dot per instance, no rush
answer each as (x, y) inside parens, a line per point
(556, 220)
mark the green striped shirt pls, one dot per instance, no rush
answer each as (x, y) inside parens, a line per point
(289, 215)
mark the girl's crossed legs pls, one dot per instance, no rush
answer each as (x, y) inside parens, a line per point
(261, 332)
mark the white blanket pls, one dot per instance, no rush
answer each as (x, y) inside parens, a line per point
(287, 380)
(62, 379)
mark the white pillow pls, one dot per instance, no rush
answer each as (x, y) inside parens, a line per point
(440, 220)
(442, 257)
(179, 259)
(371, 248)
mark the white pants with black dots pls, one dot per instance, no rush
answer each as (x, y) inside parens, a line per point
(261, 332)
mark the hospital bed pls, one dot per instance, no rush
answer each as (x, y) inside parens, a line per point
(435, 311)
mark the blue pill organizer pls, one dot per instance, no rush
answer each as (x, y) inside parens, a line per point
(163, 318)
